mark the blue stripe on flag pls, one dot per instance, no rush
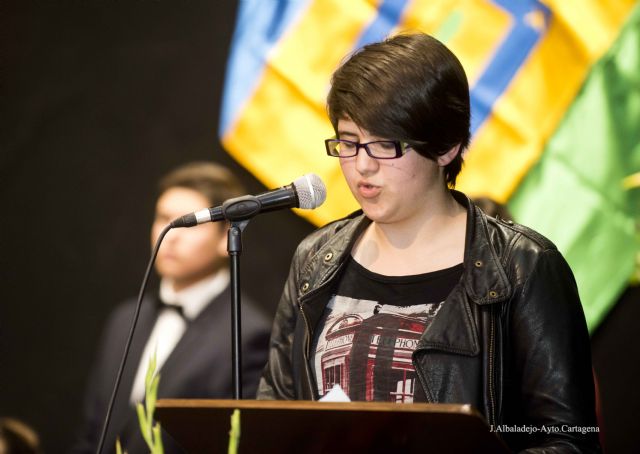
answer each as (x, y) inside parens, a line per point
(389, 14)
(259, 26)
(508, 58)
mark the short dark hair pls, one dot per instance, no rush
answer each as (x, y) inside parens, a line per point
(215, 182)
(409, 87)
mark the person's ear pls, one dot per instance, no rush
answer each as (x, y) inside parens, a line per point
(445, 159)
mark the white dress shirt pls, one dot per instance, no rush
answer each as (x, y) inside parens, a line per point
(170, 325)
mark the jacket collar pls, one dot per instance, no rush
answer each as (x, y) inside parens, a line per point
(484, 278)
(484, 282)
(326, 261)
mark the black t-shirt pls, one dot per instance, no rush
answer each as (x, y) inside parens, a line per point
(370, 328)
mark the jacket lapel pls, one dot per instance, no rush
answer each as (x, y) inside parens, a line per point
(483, 281)
(216, 317)
(453, 329)
(451, 355)
(323, 266)
(484, 277)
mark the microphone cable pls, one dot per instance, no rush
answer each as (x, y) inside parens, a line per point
(134, 322)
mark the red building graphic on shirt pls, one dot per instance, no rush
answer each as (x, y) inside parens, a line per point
(377, 351)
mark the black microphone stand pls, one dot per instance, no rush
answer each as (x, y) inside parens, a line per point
(237, 211)
(234, 247)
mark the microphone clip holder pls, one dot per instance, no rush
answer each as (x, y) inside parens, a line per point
(241, 208)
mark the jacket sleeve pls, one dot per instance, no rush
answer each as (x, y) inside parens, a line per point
(277, 377)
(551, 360)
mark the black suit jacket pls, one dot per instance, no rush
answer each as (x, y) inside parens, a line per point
(198, 367)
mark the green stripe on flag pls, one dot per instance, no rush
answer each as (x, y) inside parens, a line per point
(575, 196)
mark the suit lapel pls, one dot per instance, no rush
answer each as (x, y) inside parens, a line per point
(215, 318)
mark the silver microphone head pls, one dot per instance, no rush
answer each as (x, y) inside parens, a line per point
(311, 191)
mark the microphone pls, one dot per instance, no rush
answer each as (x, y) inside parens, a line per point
(306, 192)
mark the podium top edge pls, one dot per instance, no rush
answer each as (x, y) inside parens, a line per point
(298, 405)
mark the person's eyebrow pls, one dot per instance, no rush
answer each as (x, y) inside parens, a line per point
(348, 134)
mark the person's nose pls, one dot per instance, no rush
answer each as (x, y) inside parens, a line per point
(365, 164)
(172, 236)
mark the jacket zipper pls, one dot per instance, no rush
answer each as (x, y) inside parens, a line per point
(307, 341)
(492, 397)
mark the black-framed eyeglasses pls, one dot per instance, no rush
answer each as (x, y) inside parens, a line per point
(378, 149)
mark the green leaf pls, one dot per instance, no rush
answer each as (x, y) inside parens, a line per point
(234, 433)
(151, 370)
(157, 447)
(151, 387)
(152, 396)
(151, 434)
(145, 424)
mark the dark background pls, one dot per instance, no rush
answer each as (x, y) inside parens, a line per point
(98, 100)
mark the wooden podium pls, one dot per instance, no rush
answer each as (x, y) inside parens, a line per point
(202, 426)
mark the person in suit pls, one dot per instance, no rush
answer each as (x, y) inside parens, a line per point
(186, 324)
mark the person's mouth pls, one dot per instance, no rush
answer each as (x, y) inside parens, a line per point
(368, 190)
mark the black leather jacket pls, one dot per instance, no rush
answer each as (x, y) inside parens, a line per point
(510, 339)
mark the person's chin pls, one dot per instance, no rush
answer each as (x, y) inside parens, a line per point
(375, 213)
(168, 270)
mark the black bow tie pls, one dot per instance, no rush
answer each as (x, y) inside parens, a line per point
(173, 307)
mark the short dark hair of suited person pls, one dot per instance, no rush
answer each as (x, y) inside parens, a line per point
(410, 87)
(215, 182)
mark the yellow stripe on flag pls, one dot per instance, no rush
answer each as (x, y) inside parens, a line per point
(481, 28)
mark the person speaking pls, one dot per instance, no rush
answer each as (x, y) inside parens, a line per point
(420, 296)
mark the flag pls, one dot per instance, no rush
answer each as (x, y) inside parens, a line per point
(555, 99)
